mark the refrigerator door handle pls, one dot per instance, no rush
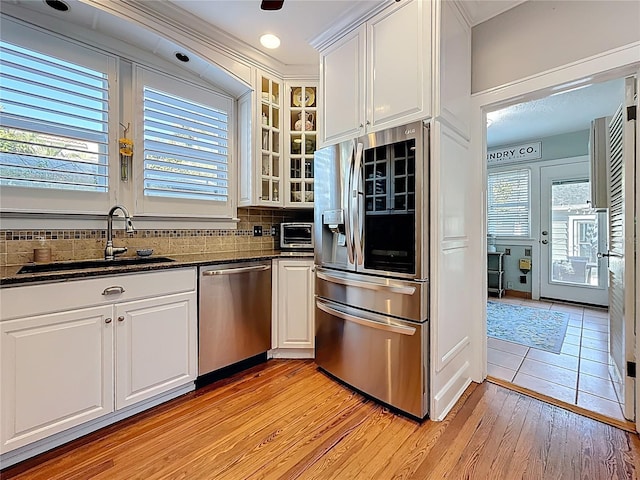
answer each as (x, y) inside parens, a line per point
(394, 288)
(357, 211)
(371, 320)
(348, 224)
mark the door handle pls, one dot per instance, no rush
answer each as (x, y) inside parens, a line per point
(113, 290)
(230, 271)
(384, 287)
(374, 321)
(609, 254)
(544, 232)
(545, 241)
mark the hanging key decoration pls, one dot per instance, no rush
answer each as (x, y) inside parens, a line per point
(126, 153)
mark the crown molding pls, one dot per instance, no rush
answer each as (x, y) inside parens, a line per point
(356, 16)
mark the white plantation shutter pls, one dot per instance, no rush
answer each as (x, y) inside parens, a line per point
(186, 143)
(56, 122)
(185, 148)
(508, 203)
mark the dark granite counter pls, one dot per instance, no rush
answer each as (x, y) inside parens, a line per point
(9, 276)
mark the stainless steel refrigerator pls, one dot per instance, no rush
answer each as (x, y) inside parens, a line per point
(372, 264)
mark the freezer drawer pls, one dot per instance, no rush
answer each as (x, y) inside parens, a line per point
(381, 356)
(399, 298)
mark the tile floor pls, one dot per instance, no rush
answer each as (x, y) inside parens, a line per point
(578, 374)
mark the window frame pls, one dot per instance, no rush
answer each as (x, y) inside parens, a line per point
(144, 75)
(529, 185)
(26, 200)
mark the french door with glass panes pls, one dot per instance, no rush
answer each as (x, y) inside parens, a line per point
(571, 236)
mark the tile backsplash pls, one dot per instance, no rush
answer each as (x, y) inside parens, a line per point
(16, 246)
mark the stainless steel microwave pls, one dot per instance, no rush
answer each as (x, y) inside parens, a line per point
(296, 235)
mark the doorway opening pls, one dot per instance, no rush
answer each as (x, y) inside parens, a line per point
(547, 259)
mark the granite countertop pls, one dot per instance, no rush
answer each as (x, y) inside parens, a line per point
(9, 276)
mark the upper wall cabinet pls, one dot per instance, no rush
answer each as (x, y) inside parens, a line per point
(301, 137)
(378, 75)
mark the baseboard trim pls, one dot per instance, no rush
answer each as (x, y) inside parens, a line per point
(517, 293)
(623, 425)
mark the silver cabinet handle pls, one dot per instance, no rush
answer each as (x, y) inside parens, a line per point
(231, 271)
(113, 290)
(395, 288)
(372, 320)
(107, 320)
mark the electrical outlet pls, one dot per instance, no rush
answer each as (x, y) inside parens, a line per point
(257, 230)
(523, 279)
(527, 252)
(509, 285)
(274, 231)
(507, 251)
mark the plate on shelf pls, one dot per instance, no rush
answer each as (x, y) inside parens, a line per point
(306, 101)
(265, 96)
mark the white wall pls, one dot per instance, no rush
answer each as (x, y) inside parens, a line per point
(540, 35)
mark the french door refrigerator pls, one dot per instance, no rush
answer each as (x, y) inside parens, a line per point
(372, 265)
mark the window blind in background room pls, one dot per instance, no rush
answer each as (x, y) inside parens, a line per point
(508, 203)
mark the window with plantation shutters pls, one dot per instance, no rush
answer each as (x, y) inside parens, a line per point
(508, 203)
(185, 147)
(55, 123)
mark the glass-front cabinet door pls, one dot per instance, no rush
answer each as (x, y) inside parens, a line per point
(301, 143)
(270, 108)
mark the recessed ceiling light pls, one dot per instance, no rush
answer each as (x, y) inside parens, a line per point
(182, 57)
(58, 5)
(269, 40)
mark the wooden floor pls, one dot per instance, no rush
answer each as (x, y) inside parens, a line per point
(284, 419)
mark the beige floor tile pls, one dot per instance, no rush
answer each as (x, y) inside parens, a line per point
(551, 373)
(595, 335)
(560, 360)
(595, 355)
(572, 339)
(547, 388)
(570, 349)
(596, 320)
(600, 405)
(573, 322)
(595, 344)
(597, 386)
(502, 373)
(595, 369)
(504, 359)
(559, 307)
(594, 312)
(576, 331)
(505, 346)
(596, 327)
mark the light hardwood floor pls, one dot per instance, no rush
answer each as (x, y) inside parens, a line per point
(286, 420)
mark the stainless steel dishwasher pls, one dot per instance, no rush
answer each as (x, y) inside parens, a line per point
(234, 313)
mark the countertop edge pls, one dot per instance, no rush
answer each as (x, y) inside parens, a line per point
(14, 279)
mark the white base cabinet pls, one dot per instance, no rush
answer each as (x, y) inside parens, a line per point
(57, 372)
(293, 328)
(61, 369)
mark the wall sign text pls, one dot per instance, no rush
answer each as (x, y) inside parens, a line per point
(514, 153)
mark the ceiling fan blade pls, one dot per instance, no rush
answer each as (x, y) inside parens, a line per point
(271, 4)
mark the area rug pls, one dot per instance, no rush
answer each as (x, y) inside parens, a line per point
(533, 327)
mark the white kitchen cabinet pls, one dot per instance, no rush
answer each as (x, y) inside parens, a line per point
(293, 327)
(301, 137)
(260, 170)
(88, 348)
(155, 346)
(379, 75)
(56, 373)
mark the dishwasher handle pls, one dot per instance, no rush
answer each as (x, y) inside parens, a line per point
(231, 271)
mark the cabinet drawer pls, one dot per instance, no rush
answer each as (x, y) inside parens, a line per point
(54, 297)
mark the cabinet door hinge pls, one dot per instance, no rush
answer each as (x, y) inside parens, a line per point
(632, 113)
(631, 369)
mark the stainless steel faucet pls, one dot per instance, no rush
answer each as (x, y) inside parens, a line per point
(110, 251)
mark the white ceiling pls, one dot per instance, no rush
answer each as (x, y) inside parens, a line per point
(560, 113)
(300, 21)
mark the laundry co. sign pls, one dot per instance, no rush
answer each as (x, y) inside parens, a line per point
(514, 153)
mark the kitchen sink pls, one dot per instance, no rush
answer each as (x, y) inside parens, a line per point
(83, 264)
